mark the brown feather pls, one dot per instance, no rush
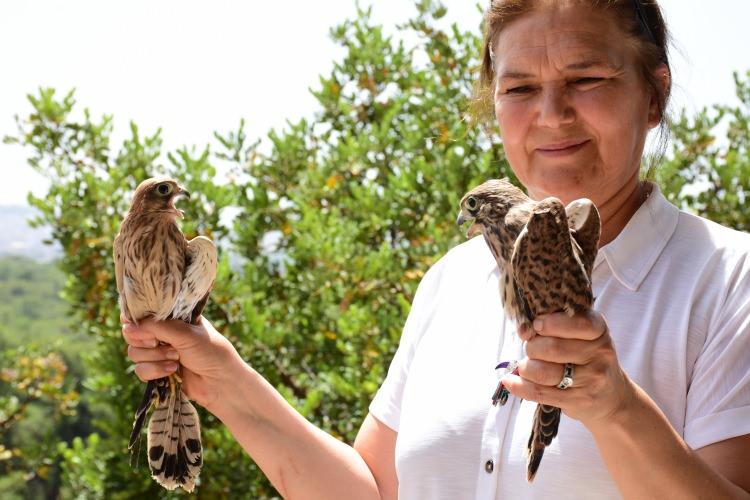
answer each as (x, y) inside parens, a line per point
(545, 253)
(161, 275)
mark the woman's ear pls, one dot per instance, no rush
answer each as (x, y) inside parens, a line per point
(662, 77)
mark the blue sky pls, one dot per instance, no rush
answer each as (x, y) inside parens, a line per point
(194, 67)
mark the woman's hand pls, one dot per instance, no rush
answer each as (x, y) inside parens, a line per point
(207, 358)
(300, 460)
(600, 388)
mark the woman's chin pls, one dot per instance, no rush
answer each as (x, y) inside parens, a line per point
(565, 187)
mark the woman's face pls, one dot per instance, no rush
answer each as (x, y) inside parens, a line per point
(572, 107)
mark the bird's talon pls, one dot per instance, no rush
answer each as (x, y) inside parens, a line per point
(504, 397)
(174, 381)
(501, 393)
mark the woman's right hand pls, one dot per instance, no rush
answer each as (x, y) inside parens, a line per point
(208, 359)
(299, 459)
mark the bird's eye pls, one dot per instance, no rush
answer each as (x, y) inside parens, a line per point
(471, 203)
(164, 189)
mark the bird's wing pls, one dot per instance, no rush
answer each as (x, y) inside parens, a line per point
(119, 257)
(585, 227)
(197, 281)
(545, 265)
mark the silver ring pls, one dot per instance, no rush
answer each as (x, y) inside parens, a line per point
(567, 378)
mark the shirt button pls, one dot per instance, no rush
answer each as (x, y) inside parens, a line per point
(489, 466)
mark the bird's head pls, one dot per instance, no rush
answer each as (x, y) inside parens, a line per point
(487, 204)
(158, 195)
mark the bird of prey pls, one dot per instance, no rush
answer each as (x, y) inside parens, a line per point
(545, 252)
(161, 275)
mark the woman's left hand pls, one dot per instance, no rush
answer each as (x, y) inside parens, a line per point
(600, 388)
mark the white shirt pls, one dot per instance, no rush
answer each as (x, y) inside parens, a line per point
(675, 290)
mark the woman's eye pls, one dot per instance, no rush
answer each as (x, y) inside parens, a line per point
(519, 90)
(587, 80)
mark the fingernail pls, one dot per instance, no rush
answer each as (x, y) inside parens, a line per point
(172, 354)
(170, 367)
(538, 324)
(152, 343)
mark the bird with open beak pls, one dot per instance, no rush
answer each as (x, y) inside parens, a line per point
(161, 275)
(545, 252)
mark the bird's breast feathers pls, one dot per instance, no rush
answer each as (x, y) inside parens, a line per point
(154, 260)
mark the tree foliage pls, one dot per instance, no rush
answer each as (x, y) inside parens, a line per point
(323, 238)
(708, 170)
(40, 378)
(332, 230)
(35, 396)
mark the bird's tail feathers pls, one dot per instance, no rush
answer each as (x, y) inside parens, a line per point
(174, 442)
(155, 390)
(532, 463)
(543, 431)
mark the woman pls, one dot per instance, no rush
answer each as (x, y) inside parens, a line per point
(576, 86)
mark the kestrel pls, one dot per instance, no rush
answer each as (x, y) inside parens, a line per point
(163, 276)
(545, 252)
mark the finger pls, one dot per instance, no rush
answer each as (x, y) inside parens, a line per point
(530, 391)
(155, 369)
(138, 337)
(540, 372)
(178, 334)
(525, 331)
(557, 350)
(589, 325)
(161, 353)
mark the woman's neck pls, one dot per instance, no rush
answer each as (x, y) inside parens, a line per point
(617, 211)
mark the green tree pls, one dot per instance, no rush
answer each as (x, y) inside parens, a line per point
(39, 386)
(708, 170)
(334, 228)
(34, 398)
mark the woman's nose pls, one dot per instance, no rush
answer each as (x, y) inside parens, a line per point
(555, 109)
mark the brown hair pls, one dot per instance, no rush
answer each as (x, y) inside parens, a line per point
(641, 21)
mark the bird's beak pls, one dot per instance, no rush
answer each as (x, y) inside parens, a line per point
(180, 193)
(463, 218)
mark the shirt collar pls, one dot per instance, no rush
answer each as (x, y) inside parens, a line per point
(634, 251)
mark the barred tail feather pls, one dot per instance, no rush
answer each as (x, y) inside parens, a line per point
(156, 390)
(543, 431)
(140, 413)
(174, 442)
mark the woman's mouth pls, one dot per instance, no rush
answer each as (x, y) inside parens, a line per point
(561, 148)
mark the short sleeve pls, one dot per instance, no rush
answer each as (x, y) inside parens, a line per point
(386, 405)
(718, 400)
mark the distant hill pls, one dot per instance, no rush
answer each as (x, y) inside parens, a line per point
(31, 309)
(17, 238)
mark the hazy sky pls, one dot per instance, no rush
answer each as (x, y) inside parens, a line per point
(194, 67)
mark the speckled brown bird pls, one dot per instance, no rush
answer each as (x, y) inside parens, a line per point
(545, 252)
(161, 275)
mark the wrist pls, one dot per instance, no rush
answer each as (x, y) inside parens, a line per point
(229, 395)
(625, 412)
